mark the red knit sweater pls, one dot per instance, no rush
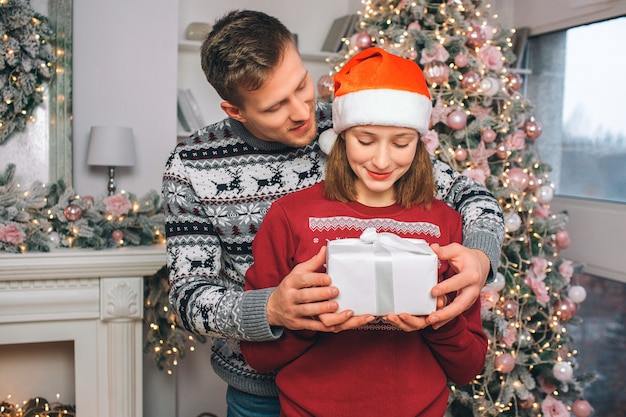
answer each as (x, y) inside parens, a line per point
(375, 370)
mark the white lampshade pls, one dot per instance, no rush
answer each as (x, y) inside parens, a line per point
(111, 146)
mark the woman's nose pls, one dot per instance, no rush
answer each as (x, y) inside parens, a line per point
(380, 157)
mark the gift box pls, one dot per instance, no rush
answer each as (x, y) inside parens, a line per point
(381, 273)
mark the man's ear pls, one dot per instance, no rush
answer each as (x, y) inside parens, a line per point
(233, 111)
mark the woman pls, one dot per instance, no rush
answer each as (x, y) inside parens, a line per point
(379, 175)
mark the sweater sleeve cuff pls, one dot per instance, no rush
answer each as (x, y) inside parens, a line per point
(489, 246)
(254, 316)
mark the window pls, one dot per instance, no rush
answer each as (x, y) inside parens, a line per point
(577, 85)
(575, 81)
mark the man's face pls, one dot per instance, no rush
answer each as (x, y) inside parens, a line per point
(283, 109)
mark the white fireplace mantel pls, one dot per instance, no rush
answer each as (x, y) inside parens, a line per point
(93, 298)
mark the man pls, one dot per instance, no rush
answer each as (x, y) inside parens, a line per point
(220, 182)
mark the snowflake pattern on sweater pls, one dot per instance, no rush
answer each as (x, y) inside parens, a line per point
(218, 185)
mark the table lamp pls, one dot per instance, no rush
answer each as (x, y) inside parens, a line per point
(112, 147)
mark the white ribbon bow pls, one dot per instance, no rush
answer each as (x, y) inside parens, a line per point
(383, 261)
(390, 240)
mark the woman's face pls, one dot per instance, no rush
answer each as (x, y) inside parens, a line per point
(379, 156)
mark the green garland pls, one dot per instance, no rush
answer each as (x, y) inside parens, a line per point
(47, 216)
(26, 59)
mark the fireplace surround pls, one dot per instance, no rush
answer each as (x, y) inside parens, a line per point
(92, 298)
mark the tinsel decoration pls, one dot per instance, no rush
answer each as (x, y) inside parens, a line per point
(26, 64)
(484, 127)
(47, 216)
(167, 340)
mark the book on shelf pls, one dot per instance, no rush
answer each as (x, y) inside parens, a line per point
(184, 112)
(182, 122)
(342, 27)
(189, 113)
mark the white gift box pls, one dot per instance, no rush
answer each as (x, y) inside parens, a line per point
(381, 273)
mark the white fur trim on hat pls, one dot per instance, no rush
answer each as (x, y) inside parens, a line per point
(386, 107)
(326, 140)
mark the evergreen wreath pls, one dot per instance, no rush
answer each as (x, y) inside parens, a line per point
(26, 58)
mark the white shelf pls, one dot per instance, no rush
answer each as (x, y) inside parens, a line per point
(187, 45)
(317, 56)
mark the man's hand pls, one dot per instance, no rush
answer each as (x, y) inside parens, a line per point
(472, 268)
(302, 296)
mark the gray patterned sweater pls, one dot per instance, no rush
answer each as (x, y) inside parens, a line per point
(217, 186)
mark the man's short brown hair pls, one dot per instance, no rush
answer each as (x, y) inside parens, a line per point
(241, 51)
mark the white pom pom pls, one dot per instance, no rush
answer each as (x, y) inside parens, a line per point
(327, 140)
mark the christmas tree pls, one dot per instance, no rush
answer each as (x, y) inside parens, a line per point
(485, 128)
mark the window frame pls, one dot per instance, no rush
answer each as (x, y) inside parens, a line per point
(598, 235)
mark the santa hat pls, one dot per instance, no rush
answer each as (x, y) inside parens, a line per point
(378, 88)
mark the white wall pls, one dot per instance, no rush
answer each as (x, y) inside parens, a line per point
(124, 74)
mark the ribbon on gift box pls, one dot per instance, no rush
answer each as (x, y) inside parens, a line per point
(382, 242)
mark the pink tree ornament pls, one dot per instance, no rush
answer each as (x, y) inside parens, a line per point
(457, 120)
(363, 40)
(577, 293)
(73, 212)
(518, 179)
(504, 363)
(565, 309)
(533, 129)
(460, 154)
(562, 239)
(475, 37)
(563, 371)
(581, 408)
(514, 81)
(436, 72)
(471, 81)
(461, 60)
(488, 135)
